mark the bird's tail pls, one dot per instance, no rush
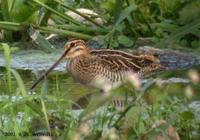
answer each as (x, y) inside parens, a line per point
(172, 60)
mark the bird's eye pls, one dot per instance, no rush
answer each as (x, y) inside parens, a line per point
(72, 44)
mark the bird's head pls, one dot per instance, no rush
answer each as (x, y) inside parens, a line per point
(72, 49)
(75, 48)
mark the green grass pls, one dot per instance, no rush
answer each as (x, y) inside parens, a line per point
(52, 114)
(125, 21)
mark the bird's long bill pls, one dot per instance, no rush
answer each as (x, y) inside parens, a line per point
(48, 71)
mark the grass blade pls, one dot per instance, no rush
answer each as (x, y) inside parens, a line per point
(186, 29)
(19, 82)
(40, 40)
(63, 32)
(67, 18)
(82, 15)
(13, 26)
(7, 61)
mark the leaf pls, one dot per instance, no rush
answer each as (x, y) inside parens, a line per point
(115, 44)
(122, 39)
(5, 9)
(108, 5)
(40, 40)
(195, 44)
(80, 14)
(188, 28)
(196, 32)
(125, 13)
(165, 26)
(94, 104)
(7, 61)
(190, 12)
(134, 114)
(11, 26)
(56, 12)
(187, 115)
(19, 82)
(44, 90)
(21, 12)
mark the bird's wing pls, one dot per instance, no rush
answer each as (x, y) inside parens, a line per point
(123, 61)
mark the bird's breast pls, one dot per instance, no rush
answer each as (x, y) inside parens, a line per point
(105, 82)
(80, 70)
(89, 72)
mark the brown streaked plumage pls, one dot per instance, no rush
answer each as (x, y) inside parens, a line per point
(104, 68)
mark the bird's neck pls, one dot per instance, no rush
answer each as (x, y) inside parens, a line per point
(81, 56)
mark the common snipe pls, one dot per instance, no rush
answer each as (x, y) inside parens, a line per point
(103, 68)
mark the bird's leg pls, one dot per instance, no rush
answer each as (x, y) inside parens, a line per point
(117, 102)
(82, 102)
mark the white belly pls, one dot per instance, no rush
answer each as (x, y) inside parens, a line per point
(105, 84)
